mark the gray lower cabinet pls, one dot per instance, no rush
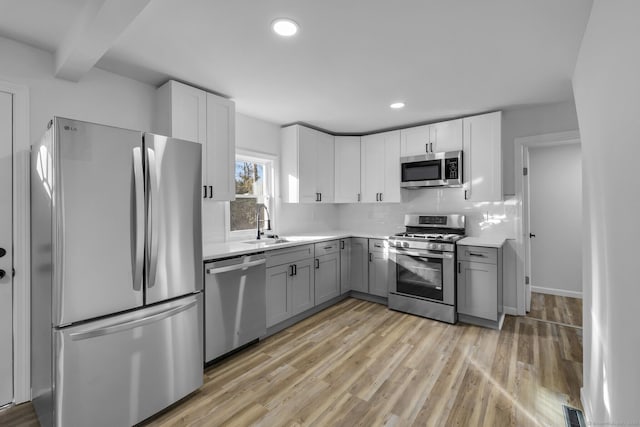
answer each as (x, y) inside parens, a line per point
(359, 266)
(277, 293)
(345, 266)
(480, 285)
(302, 287)
(327, 271)
(378, 268)
(290, 283)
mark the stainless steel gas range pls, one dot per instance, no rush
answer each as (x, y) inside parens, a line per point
(424, 259)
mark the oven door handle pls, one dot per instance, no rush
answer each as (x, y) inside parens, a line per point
(425, 254)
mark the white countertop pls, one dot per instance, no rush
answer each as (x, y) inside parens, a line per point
(489, 242)
(226, 249)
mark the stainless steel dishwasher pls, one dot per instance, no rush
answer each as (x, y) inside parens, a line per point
(235, 303)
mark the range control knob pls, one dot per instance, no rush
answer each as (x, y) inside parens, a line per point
(405, 244)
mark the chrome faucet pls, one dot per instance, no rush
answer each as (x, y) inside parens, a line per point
(259, 207)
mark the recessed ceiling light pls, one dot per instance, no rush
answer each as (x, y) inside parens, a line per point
(397, 105)
(284, 27)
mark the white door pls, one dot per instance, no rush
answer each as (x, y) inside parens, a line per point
(555, 219)
(6, 243)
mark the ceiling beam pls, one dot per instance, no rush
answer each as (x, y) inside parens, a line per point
(97, 27)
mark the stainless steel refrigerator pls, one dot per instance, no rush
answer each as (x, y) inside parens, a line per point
(116, 274)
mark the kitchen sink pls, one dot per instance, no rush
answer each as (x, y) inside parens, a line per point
(266, 241)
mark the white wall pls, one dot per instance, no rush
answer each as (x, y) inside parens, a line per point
(530, 121)
(606, 84)
(100, 96)
(555, 193)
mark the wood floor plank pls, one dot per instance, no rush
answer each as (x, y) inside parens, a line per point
(554, 308)
(358, 363)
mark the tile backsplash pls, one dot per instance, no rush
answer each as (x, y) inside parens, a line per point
(483, 219)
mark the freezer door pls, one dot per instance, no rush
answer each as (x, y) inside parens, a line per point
(174, 228)
(98, 221)
(121, 370)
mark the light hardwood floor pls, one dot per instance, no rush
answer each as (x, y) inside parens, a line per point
(558, 309)
(358, 363)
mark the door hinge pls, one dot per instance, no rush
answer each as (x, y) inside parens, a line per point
(525, 171)
(526, 280)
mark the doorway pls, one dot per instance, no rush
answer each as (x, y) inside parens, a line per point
(549, 215)
(555, 219)
(6, 248)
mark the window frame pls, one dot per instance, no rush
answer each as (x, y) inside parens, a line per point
(269, 162)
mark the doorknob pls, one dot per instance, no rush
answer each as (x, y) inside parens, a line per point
(2, 274)
(531, 235)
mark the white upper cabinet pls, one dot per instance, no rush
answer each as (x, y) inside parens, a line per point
(192, 114)
(347, 169)
(482, 157)
(307, 165)
(380, 167)
(221, 147)
(433, 138)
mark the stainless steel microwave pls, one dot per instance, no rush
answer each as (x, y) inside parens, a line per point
(431, 170)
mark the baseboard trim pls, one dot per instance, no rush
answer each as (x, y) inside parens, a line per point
(558, 292)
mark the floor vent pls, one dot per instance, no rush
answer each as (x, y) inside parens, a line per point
(573, 417)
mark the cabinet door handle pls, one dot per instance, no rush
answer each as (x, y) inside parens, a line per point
(370, 257)
(211, 192)
(459, 264)
(377, 197)
(295, 269)
(291, 270)
(320, 196)
(426, 147)
(431, 147)
(380, 196)
(342, 244)
(205, 191)
(317, 263)
(358, 196)
(466, 197)
(475, 254)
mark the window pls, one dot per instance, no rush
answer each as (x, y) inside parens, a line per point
(253, 176)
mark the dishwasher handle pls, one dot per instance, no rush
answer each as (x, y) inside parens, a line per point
(242, 266)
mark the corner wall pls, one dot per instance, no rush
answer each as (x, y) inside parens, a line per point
(531, 121)
(100, 96)
(606, 84)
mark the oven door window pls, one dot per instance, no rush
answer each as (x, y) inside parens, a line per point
(419, 276)
(428, 170)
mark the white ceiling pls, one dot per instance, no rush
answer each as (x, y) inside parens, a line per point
(350, 60)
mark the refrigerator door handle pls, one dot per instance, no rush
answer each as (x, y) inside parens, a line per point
(130, 324)
(153, 220)
(138, 249)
